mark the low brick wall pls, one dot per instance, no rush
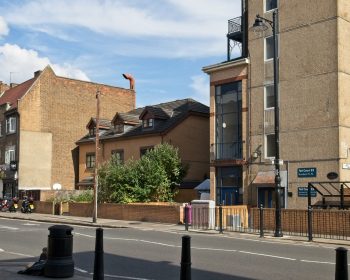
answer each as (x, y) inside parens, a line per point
(42, 207)
(147, 212)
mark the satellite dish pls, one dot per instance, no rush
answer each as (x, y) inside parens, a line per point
(57, 186)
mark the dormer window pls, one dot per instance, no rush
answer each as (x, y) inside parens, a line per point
(119, 128)
(92, 131)
(10, 125)
(147, 123)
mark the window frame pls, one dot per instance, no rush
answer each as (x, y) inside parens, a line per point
(119, 128)
(10, 154)
(271, 10)
(265, 96)
(90, 160)
(92, 131)
(11, 125)
(148, 123)
(120, 152)
(266, 146)
(143, 150)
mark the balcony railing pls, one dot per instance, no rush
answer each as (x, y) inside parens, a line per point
(235, 25)
(231, 150)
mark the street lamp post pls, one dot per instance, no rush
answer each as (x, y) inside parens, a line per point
(97, 136)
(259, 25)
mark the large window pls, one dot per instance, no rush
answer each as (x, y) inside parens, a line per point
(270, 5)
(90, 160)
(118, 155)
(10, 125)
(270, 146)
(10, 154)
(269, 97)
(228, 110)
(143, 150)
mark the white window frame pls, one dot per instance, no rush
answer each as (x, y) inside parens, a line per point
(148, 123)
(10, 154)
(268, 11)
(11, 125)
(265, 97)
(266, 154)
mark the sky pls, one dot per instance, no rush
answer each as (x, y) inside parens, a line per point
(163, 43)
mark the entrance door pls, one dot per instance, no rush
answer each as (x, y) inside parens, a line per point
(266, 197)
(230, 196)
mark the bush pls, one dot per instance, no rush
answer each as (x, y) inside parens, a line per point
(154, 177)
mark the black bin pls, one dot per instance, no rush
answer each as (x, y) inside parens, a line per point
(60, 263)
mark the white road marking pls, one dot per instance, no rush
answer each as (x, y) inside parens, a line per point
(80, 270)
(1, 250)
(31, 224)
(308, 261)
(19, 254)
(6, 227)
(126, 277)
(266, 255)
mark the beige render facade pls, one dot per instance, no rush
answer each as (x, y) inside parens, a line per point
(52, 114)
(313, 89)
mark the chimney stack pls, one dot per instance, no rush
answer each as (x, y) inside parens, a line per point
(131, 79)
(37, 73)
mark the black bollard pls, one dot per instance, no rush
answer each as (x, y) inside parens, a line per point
(309, 223)
(261, 212)
(98, 264)
(220, 219)
(186, 217)
(185, 273)
(341, 264)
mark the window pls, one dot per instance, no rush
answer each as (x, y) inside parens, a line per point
(269, 97)
(119, 128)
(147, 123)
(0, 129)
(270, 5)
(10, 154)
(11, 125)
(228, 118)
(92, 131)
(144, 150)
(90, 160)
(269, 48)
(270, 146)
(118, 155)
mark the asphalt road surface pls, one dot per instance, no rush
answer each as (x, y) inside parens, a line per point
(137, 254)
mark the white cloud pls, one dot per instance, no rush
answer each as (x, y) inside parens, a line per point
(4, 30)
(22, 63)
(193, 24)
(200, 86)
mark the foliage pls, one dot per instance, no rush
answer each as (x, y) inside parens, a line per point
(83, 196)
(153, 177)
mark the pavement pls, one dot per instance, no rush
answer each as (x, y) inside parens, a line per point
(9, 270)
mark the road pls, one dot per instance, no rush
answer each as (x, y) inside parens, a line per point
(151, 254)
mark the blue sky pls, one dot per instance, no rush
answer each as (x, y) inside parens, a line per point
(163, 43)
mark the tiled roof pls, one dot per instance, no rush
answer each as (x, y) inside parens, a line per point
(13, 94)
(176, 111)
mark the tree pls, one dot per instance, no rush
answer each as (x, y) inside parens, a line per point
(153, 177)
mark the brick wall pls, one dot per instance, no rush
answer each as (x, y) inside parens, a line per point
(63, 107)
(163, 213)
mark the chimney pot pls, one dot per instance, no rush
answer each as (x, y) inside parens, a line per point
(37, 73)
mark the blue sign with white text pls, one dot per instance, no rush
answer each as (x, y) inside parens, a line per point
(302, 192)
(307, 172)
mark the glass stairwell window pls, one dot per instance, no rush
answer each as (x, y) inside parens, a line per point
(228, 105)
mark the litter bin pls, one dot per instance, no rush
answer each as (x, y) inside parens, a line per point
(60, 263)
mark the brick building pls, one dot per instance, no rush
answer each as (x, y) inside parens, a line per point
(181, 123)
(314, 127)
(40, 121)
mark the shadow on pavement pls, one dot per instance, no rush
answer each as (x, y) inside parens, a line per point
(119, 267)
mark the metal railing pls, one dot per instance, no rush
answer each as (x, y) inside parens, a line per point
(235, 25)
(311, 223)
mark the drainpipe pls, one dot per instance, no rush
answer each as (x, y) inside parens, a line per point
(131, 79)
